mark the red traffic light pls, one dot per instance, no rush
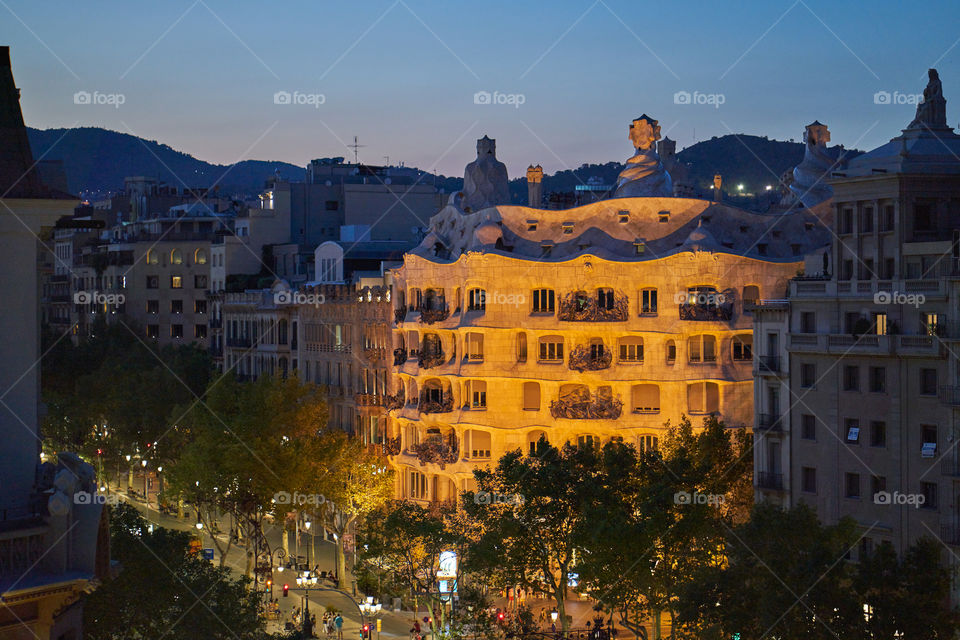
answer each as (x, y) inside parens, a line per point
(99, 452)
(286, 588)
(366, 628)
(500, 616)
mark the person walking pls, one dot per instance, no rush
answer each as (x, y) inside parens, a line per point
(338, 623)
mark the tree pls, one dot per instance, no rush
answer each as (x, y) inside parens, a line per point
(162, 590)
(247, 446)
(532, 513)
(354, 481)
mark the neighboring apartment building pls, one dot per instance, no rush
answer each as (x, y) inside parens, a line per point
(584, 325)
(333, 331)
(54, 545)
(864, 355)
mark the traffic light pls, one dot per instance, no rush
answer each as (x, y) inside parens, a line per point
(269, 583)
(366, 631)
(286, 590)
(500, 616)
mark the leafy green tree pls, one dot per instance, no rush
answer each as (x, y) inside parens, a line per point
(161, 590)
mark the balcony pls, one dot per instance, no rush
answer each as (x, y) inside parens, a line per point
(434, 314)
(706, 312)
(242, 343)
(950, 395)
(399, 315)
(368, 400)
(431, 403)
(586, 358)
(396, 401)
(585, 407)
(770, 422)
(768, 364)
(579, 307)
(430, 359)
(437, 450)
(769, 480)
(374, 354)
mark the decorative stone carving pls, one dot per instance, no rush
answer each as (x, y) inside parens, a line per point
(485, 182)
(932, 112)
(809, 177)
(644, 175)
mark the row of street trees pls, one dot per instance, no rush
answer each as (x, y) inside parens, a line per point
(668, 530)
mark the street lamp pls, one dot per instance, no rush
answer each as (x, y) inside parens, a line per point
(371, 609)
(146, 494)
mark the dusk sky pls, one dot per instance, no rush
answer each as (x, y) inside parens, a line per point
(402, 75)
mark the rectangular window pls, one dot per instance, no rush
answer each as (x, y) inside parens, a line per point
(176, 331)
(928, 439)
(928, 382)
(543, 301)
(475, 347)
(631, 352)
(878, 379)
(880, 323)
(200, 306)
(153, 331)
(479, 400)
(808, 479)
(808, 322)
(551, 350)
(153, 306)
(846, 221)
(176, 282)
(200, 282)
(930, 498)
(200, 331)
(176, 306)
(851, 484)
(866, 220)
(877, 484)
(477, 300)
(808, 426)
(153, 282)
(851, 378)
(808, 375)
(332, 205)
(648, 301)
(878, 434)
(888, 217)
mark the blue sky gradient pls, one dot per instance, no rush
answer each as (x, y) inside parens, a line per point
(200, 75)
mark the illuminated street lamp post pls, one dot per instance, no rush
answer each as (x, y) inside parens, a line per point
(146, 493)
(372, 610)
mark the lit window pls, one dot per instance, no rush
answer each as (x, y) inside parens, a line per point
(176, 282)
(176, 257)
(200, 256)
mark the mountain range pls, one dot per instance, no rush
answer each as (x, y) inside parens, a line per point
(97, 160)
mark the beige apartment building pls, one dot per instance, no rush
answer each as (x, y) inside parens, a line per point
(858, 370)
(582, 325)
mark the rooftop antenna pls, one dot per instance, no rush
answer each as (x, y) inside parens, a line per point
(356, 149)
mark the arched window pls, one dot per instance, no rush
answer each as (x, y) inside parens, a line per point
(671, 349)
(703, 397)
(477, 394)
(647, 443)
(751, 294)
(176, 256)
(631, 349)
(477, 300)
(537, 442)
(551, 349)
(531, 396)
(522, 346)
(153, 257)
(742, 347)
(645, 398)
(200, 256)
(702, 348)
(474, 347)
(478, 444)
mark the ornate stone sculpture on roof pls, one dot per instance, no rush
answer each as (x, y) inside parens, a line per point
(485, 182)
(932, 112)
(644, 175)
(809, 177)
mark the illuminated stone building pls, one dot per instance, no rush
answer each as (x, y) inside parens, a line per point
(599, 322)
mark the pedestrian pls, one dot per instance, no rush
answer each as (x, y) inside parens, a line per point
(338, 623)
